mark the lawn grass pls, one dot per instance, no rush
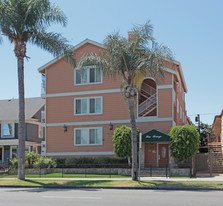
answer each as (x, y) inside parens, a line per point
(116, 183)
(59, 175)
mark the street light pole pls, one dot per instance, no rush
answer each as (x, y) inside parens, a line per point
(140, 147)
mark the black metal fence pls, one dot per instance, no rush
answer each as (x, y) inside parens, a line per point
(89, 171)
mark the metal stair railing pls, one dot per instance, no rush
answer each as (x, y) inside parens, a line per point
(147, 89)
(147, 104)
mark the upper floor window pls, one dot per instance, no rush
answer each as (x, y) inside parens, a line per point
(88, 136)
(7, 130)
(181, 113)
(183, 95)
(89, 105)
(88, 75)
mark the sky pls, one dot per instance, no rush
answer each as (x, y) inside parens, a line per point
(193, 29)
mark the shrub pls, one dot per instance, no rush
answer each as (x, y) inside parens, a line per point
(78, 161)
(60, 162)
(185, 142)
(14, 163)
(84, 161)
(31, 158)
(45, 163)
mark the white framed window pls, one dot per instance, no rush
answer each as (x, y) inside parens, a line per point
(183, 95)
(88, 106)
(88, 136)
(174, 96)
(181, 113)
(88, 75)
(7, 129)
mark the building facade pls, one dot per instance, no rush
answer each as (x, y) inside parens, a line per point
(9, 127)
(83, 107)
(218, 131)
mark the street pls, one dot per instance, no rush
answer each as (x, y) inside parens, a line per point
(107, 197)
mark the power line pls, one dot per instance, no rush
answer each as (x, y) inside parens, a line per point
(203, 114)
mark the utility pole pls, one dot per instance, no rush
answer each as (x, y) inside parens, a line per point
(197, 119)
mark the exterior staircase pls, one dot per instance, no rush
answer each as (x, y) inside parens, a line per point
(150, 104)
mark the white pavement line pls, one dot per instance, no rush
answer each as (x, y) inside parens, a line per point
(63, 197)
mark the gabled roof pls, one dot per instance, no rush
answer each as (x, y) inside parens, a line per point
(74, 48)
(42, 68)
(9, 109)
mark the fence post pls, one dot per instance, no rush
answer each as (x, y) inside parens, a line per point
(166, 171)
(62, 171)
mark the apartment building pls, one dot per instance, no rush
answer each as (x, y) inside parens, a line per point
(83, 107)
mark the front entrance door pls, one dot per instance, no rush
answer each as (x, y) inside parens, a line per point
(163, 155)
(151, 155)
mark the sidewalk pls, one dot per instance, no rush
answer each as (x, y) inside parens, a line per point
(214, 178)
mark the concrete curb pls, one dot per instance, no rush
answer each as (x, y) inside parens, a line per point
(111, 187)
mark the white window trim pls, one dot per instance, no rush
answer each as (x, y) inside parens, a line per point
(88, 128)
(2, 130)
(88, 105)
(88, 76)
(181, 112)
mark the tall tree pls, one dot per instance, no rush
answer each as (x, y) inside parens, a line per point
(131, 58)
(26, 21)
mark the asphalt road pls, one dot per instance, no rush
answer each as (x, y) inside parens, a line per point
(107, 197)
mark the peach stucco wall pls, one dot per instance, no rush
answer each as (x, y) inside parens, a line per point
(61, 109)
(60, 141)
(60, 79)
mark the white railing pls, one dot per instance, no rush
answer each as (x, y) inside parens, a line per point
(147, 105)
(147, 89)
(43, 89)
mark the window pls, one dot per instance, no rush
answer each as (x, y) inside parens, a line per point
(183, 95)
(177, 106)
(180, 113)
(8, 130)
(86, 106)
(88, 75)
(88, 136)
(174, 96)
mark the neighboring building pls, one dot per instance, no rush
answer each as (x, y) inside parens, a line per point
(9, 113)
(84, 107)
(218, 131)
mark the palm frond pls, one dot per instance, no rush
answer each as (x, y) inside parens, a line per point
(54, 43)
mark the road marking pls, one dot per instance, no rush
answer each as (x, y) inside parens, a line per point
(63, 197)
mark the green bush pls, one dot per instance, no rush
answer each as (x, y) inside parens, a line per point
(60, 162)
(185, 142)
(31, 158)
(78, 161)
(14, 163)
(74, 161)
(45, 163)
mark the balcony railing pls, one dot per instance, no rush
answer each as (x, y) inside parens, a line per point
(43, 89)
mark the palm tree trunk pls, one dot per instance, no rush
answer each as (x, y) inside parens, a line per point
(134, 139)
(21, 132)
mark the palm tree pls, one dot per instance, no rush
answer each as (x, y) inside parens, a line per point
(26, 21)
(132, 59)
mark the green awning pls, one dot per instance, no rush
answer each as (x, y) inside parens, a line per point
(155, 136)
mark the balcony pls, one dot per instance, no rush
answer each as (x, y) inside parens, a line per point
(43, 90)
